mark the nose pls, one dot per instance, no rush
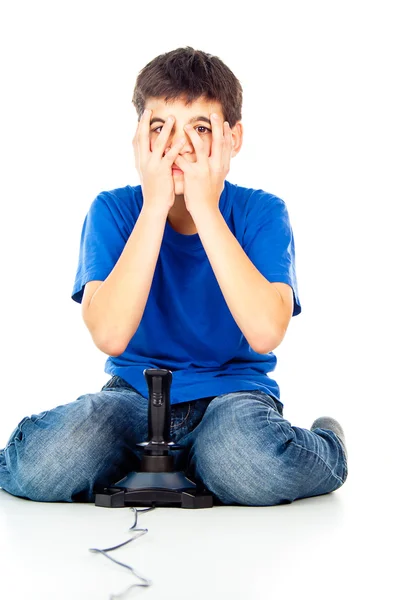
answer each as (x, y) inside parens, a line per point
(176, 134)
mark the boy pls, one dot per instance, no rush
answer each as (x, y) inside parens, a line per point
(191, 273)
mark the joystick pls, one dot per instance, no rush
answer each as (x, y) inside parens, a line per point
(156, 483)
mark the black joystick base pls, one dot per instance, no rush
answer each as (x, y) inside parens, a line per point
(156, 483)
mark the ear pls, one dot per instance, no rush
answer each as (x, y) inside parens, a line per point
(237, 135)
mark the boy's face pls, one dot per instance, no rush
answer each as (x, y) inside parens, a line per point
(196, 114)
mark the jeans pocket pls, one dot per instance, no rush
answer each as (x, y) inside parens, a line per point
(174, 408)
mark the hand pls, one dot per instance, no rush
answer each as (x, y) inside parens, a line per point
(204, 179)
(155, 170)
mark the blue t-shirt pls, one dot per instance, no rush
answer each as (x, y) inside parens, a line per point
(187, 326)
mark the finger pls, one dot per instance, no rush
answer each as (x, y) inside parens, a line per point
(217, 139)
(135, 144)
(172, 153)
(182, 163)
(136, 131)
(228, 144)
(143, 144)
(135, 141)
(163, 137)
(196, 142)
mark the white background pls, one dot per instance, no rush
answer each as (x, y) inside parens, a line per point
(321, 118)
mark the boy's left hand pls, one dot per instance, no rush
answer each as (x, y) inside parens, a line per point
(204, 179)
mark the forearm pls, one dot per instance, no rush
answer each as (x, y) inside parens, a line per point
(117, 306)
(253, 301)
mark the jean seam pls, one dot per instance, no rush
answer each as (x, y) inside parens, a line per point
(8, 445)
(321, 459)
(263, 395)
(345, 459)
(303, 448)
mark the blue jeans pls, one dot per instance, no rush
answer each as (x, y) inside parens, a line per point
(238, 445)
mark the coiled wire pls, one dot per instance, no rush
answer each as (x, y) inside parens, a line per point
(146, 582)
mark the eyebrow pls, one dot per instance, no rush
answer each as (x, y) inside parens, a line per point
(199, 118)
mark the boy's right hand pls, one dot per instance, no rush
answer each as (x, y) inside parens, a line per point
(155, 167)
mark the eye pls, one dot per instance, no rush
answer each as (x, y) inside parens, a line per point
(197, 127)
(203, 127)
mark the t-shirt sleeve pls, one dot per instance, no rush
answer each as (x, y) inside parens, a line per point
(102, 241)
(269, 243)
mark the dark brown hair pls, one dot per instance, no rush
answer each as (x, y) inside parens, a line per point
(189, 74)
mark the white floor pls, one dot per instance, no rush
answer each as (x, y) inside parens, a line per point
(334, 546)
